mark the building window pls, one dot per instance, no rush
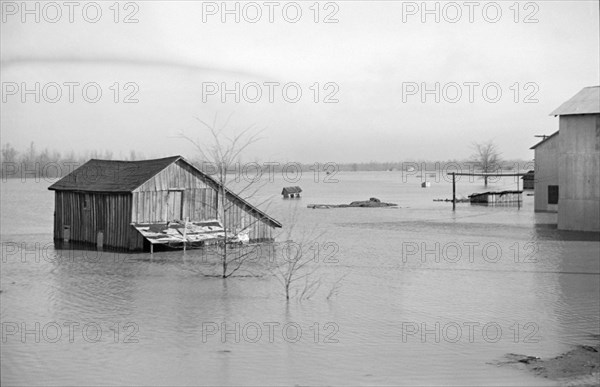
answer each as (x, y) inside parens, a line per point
(552, 194)
(86, 202)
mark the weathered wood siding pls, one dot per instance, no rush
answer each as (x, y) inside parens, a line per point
(199, 201)
(151, 199)
(152, 206)
(87, 214)
(240, 218)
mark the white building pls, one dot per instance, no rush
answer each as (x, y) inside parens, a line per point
(573, 155)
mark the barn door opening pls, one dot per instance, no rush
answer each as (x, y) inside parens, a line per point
(175, 205)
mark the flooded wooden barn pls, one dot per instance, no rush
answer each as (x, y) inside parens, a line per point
(108, 203)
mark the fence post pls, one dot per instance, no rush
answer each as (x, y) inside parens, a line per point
(453, 191)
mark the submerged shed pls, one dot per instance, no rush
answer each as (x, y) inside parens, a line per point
(103, 201)
(291, 192)
(528, 180)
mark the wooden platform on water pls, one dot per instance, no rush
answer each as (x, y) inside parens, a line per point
(499, 197)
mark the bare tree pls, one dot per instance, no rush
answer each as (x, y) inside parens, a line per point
(487, 158)
(9, 154)
(222, 152)
(295, 265)
(292, 268)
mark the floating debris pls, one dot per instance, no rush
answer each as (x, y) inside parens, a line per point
(372, 202)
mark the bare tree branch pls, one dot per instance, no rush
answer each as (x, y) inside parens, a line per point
(224, 151)
(487, 157)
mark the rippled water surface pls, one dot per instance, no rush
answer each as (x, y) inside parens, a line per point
(427, 296)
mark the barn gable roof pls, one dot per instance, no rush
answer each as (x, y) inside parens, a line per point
(111, 176)
(587, 101)
(118, 176)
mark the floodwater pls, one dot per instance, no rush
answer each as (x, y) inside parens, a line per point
(425, 296)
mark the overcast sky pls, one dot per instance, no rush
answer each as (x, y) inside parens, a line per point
(374, 61)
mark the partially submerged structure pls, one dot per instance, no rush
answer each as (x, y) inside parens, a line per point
(124, 204)
(546, 174)
(501, 197)
(528, 180)
(291, 192)
(495, 198)
(571, 159)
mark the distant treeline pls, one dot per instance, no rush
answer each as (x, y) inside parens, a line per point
(34, 163)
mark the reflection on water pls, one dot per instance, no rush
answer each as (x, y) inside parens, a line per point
(430, 296)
